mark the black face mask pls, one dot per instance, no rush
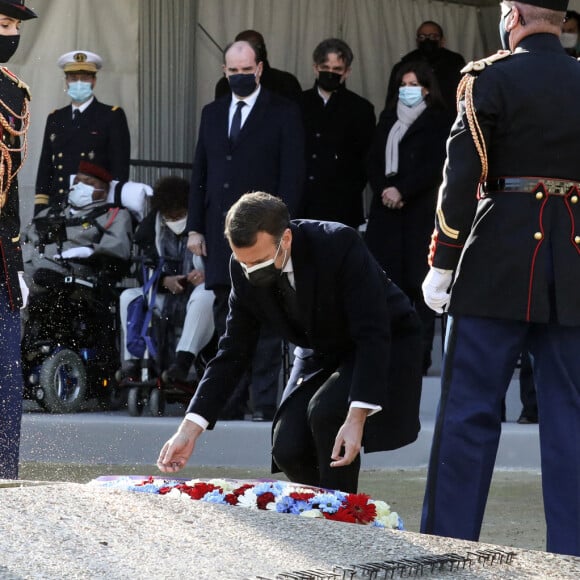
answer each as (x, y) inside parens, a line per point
(242, 85)
(264, 274)
(329, 81)
(8, 46)
(429, 47)
(503, 33)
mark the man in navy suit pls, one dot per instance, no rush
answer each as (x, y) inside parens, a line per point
(249, 140)
(85, 130)
(356, 378)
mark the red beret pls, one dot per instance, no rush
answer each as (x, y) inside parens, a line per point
(95, 171)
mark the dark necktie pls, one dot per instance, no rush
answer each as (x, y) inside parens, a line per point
(236, 123)
(289, 302)
(76, 117)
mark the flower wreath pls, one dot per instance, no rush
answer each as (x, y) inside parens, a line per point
(278, 496)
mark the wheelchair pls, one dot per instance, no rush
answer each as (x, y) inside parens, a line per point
(70, 342)
(152, 389)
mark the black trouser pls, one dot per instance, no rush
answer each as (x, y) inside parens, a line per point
(261, 383)
(306, 428)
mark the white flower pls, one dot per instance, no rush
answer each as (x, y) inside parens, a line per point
(227, 486)
(248, 500)
(313, 513)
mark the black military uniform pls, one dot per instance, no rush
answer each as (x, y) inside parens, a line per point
(14, 117)
(99, 135)
(508, 225)
(338, 136)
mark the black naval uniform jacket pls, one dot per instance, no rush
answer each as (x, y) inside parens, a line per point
(101, 137)
(13, 94)
(338, 137)
(349, 308)
(513, 251)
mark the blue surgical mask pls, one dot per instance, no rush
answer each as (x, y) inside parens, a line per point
(80, 91)
(410, 96)
(81, 195)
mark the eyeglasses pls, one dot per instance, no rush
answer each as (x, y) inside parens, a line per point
(434, 36)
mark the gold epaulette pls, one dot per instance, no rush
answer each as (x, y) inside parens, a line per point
(465, 93)
(476, 66)
(21, 84)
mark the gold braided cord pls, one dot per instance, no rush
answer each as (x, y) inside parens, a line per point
(465, 91)
(6, 173)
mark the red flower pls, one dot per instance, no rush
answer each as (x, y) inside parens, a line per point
(343, 514)
(302, 496)
(264, 499)
(145, 481)
(231, 498)
(241, 490)
(198, 490)
(164, 490)
(362, 511)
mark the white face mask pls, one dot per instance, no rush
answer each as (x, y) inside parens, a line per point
(177, 226)
(81, 195)
(569, 39)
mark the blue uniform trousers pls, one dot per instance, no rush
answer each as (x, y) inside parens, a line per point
(480, 356)
(10, 388)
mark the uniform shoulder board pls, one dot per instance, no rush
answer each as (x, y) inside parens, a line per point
(114, 108)
(20, 84)
(476, 66)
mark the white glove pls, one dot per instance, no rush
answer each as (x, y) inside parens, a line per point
(435, 289)
(23, 289)
(80, 252)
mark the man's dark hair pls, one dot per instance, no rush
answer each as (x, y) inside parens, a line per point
(333, 45)
(256, 40)
(572, 15)
(253, 213)
(432, 23)
(252, 46)
(426, 78)
(170, 193)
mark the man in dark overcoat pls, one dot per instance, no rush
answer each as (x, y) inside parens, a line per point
(356, 378)
(507, 234)
(250, 140)
(85, 130)
(339, 127)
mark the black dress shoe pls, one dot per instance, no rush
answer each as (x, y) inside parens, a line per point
(527, 420)
(262, 416)
(174, 374)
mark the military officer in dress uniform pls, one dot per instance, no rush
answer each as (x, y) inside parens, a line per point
(507, 243)
(14, 123)
(85, 130)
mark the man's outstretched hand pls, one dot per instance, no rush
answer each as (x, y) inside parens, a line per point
(178, 449)
(349, 438)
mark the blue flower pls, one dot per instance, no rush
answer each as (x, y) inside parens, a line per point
(285, 504)
(326, 502)
(214, 496)
(147, 488)
(300, 506)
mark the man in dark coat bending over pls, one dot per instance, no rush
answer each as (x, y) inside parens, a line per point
(356, 378)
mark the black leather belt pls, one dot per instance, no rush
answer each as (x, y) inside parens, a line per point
(529, 185)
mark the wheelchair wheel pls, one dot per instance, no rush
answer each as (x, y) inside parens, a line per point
(135, 402)
(63, 379)
(156, 403)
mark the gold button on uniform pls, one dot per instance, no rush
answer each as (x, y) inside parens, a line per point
(538, 236)
(539, 195)
(574, 199)
(577, 239)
